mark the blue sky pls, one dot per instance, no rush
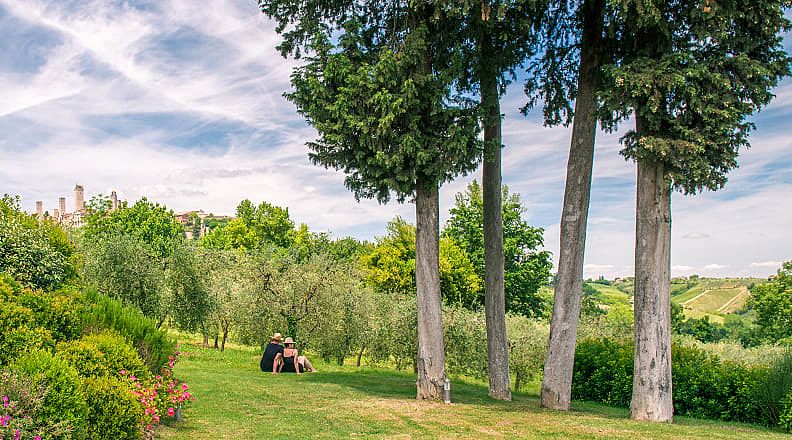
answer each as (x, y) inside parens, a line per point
(181, 101)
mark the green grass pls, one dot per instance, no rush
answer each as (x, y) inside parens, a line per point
(237, 401)
(610, 295)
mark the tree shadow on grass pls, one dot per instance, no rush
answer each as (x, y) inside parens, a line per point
(399, 385)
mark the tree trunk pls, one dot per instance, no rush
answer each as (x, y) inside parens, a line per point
(217, 336)
(494, 293)
(652, 397)
(359, 357)
(206, 340)
(558, 368)
(430, 362)
(225, 336)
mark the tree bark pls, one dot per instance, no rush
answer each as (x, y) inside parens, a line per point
(558, 368)
(206, 340)
(652, 396)
(430, 362)
(494, 293)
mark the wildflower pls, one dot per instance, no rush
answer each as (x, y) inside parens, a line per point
(16, 434)
(122, 372)
(171, 412)
(5, 401)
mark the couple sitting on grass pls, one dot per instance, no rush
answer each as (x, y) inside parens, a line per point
(284, 358)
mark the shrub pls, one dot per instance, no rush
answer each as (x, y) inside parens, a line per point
(113, 410)
(60, 312)
(527, 348)
(704, 385)
(153, 345)
(773, 387)
(64, 400)
(84, 356)
(465, 335)
(785, 420)
(603, 372)
(22, 402)
(21, 340)
(118, 354)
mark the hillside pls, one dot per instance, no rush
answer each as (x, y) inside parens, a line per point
(699, 297)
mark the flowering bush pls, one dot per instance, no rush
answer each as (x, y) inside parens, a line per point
(64, 400)
(159, 396)
(22, 403)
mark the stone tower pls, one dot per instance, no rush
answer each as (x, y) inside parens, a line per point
(113, 201)
(62, 205)
(56, 214)
(79, 198)
(40, 209)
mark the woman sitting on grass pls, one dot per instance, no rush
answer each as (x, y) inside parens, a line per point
(292, 361)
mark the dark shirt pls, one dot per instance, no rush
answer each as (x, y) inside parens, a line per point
(268, 358)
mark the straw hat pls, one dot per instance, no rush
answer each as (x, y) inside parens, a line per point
(288, 340)
(277, 337)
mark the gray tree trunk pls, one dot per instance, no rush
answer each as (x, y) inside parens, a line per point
(430, 362)
(494, 292)
(558, 368)
(652, 396)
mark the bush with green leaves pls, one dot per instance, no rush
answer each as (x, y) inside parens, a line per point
(102, 354)
(22, 402)
(465, 337)
(37, 253)
(65, 398)
(152, 344)
(705, 386)
(114, 412)
(785, 419)
(527, 348)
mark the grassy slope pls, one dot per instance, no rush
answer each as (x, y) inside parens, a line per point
(715, 294)
(237, 401)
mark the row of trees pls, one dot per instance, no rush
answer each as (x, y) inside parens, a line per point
(399, 94)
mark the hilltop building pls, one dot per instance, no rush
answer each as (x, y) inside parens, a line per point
(73, 219)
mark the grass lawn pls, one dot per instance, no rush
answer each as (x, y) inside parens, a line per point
(237, 401)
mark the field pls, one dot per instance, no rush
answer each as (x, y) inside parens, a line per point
(712, 297)
(237, 401)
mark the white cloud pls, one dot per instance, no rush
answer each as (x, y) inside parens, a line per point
(768, 264)
(715, 266)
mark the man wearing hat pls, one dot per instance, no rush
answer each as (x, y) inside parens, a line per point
(272, 360)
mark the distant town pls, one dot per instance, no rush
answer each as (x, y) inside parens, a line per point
(196, 223)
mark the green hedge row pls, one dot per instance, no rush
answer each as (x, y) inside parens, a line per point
(704, 386)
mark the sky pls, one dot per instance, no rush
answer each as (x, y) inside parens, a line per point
(181, 101)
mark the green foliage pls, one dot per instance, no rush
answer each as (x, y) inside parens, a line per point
(785, 419)
(151, 223)
(113, 410)
(65, 398)
(384, 105)
(102, 354)
(22, 410)
(527, 348)
(704, 385)
(125, 267)
(465, 337)
(773, 305)
(37, 253)
(526, 268)
(153, 345)
(390, 267)
(255, 227)
(188, 292)
(692, 77)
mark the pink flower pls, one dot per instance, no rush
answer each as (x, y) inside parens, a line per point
(16, 434)
(171, 412)
(132, 377)
(122, 372)
(5, 401)
(184, 386)
(38, 437)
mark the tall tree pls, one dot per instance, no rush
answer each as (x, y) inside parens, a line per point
(569, 70)
(380, 95)
(500, 37)
(526, 268)
(691, 73)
